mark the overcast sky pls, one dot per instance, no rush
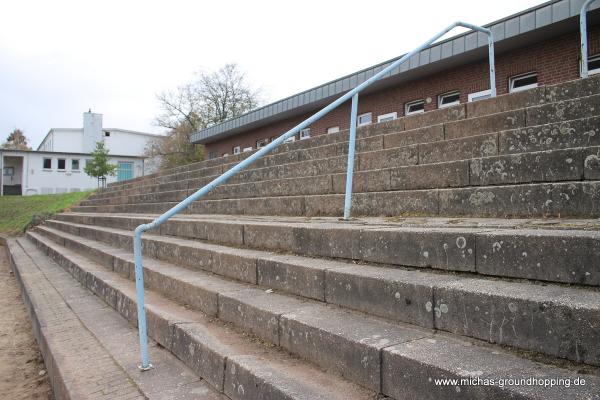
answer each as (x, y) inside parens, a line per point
(59, 58)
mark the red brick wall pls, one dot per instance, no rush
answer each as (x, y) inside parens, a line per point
(555, 61)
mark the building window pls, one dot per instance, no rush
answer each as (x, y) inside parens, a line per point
(305, 134)
(237, 150)
(247, 149)
(414, 107)
(261, 143)
(594, 65)
(522, 82)
(365, 119)
(484, 94)
(87, 161)
(212, 155)
(106, 134)
(8, 171)
(387, 117)
(124, 170)
(47, 163)
(333, 129)
(448, 99)
(74, 165)
(62, 164)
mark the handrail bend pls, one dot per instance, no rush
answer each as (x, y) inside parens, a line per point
(583, 36)
(352, 94)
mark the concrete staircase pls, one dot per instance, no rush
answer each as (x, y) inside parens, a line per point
(431, 282)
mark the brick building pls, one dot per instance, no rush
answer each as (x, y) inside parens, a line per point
(538, 46)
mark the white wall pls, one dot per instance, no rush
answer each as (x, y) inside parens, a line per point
(37, 180)
(63, 139)
(124, 142)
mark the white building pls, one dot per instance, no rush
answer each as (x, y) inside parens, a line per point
(57, 165)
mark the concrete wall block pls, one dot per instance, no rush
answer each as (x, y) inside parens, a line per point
(459, 149)
(485, 124)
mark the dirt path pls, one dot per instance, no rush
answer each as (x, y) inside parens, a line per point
(21, 363)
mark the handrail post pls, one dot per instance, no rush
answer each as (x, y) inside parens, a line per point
(350, 166)
(584, 40)
(139, 291)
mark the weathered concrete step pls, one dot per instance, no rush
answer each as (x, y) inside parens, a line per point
(230, 362)
(572, 199)
(584, 133)
(90, 351)
(420, 298)
(514, 101)
(546, 166)
(514, 251)
(331, 337)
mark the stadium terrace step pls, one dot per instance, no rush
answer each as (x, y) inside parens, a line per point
(581, 133)
(572, 199)
(520, 100)
(231, 363)
(90, 351)
(401, 295)
(497, 246)
(544, 166)
(365, 350)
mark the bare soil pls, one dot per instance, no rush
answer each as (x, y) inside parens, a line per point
(22, 371)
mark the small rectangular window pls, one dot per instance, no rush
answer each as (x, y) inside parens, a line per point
(365, 119)
(448, 99)
(261, 143)
(484, 94)
(414, 107)
(522, 82)
(75, 165)
(62, 164)
(333, 129)
(47, 163)
(212, 155)
(387, 117)
(87, 161)
(237, 150)
(305, 134)
(594, 65)
(9, 171)
(247, 149)
(106, 134)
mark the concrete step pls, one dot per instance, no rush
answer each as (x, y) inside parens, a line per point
(363, 349)
(544, 166)
(421, 298)
(514, 101)
(559, 251)
(230, 362)
(90, 351)
(583, 133)
(570, 199)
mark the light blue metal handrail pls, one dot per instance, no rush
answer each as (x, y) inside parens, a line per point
(583, 36)
(353, 94)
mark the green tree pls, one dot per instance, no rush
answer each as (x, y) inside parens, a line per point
(99, 167)
(16, 141)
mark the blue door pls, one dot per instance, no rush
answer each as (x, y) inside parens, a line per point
(124, 170)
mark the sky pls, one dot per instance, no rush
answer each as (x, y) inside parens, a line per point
(60, 58)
